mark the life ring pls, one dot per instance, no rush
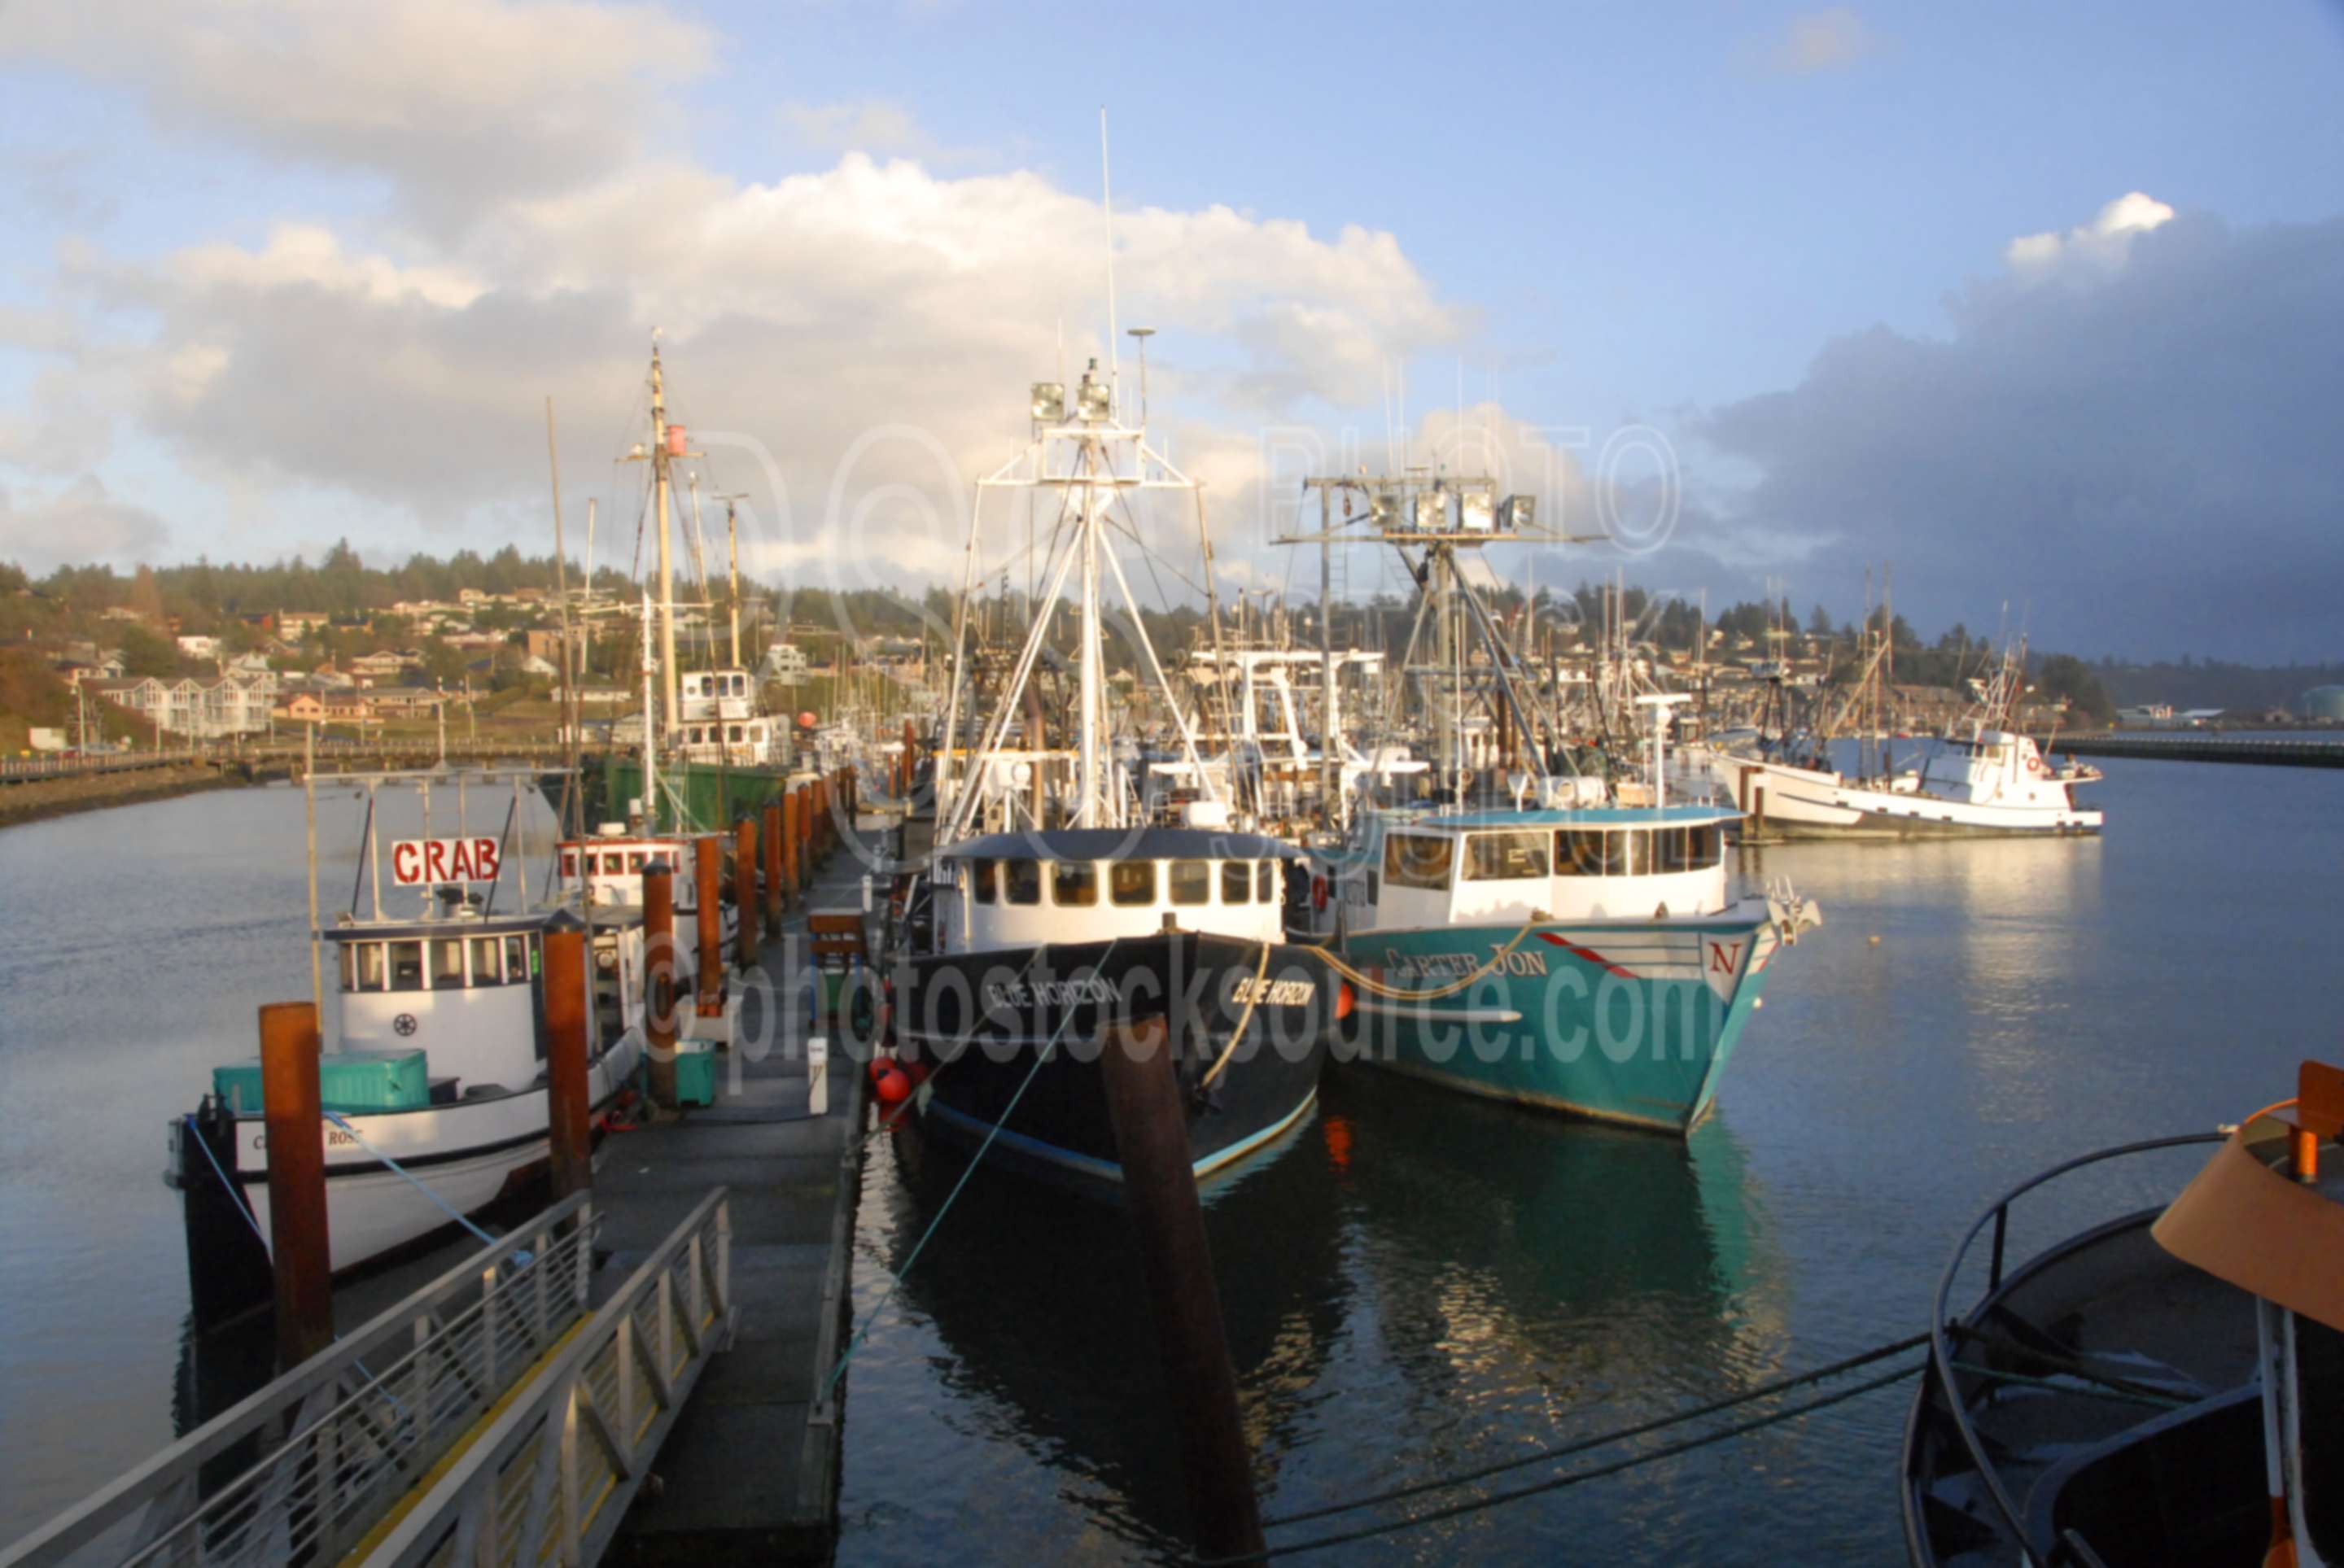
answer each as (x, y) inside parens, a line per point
(2035, 765)
(1317, 892)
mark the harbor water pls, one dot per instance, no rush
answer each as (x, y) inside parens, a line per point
(1415, 1283)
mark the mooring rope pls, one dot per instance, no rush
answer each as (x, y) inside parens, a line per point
(396, 1169)
(1573, 1478)
(895, 1279)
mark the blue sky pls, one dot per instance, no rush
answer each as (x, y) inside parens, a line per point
(1597, 216)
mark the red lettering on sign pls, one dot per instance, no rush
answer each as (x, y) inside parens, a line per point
(485, 862)
(417, 861)
(435, 859)
(1723, 956)
(402, 862)
(459, 859)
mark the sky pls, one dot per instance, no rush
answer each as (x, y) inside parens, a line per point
(2034, 306)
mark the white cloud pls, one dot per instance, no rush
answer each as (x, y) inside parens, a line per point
(2088, 250)
(458, 103)
(872, 125)
(1819, 41)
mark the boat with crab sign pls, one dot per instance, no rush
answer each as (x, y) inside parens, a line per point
(1050, 913)
(432, 1077)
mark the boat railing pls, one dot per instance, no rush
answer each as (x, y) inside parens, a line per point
(1941, 1365)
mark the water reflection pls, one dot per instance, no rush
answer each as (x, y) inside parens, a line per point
(1039, 1305)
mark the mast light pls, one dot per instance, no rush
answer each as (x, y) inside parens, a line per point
(1049, 402)
(1432, 511)
(1517, 513)
(1477, 511)
(1092, 399)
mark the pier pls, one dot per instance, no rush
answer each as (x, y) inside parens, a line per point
(641, 1373)
(2182, 745)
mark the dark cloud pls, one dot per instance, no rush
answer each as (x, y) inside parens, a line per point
(2131, 442)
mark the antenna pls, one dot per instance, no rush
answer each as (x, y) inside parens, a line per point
(1143, 333)
(1106, 205)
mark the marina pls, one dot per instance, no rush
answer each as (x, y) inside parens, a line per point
(760, 806)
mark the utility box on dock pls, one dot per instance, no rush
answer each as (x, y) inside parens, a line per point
(695, 1074)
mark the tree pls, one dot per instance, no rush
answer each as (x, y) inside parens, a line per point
(147, 652)
(146, 597)
(2066, 676)
(1819, 622)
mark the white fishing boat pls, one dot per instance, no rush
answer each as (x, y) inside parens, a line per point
(432, 1073)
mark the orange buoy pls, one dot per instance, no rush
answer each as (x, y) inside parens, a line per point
(893, 1086)
(880, 1067)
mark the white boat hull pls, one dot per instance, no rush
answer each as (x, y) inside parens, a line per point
(465, 1154)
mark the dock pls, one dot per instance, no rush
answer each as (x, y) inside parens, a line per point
(750, 1472)
(2182, 745)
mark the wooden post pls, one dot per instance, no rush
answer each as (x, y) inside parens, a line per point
(708, 876)
(744, 887)
(659, 979)
(300, 1250)
(570, 1138)
(911, 763)
(793, 837)
(1159, 1185)
(772, 844)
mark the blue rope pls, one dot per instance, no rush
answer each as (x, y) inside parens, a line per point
(895, 1280)
(234, 1196)
(521, 1259)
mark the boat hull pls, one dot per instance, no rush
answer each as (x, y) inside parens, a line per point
(710, 798)
(980, 1020)
(1631, 1024)
(1805, 803)
(463, 1155)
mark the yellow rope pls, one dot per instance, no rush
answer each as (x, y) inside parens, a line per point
(1245, 1018)
(1377, 988)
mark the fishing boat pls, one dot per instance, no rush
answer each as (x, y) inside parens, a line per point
(433, 1071)
(1050, 914)
(711, 754)
(2161, 1387)
(1566, 942)
(1991, 781)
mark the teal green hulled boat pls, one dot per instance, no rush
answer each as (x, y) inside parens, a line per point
(1585, 961)
(695, 797)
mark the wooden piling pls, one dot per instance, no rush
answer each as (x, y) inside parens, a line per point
(1159, 1185)
(773, 843)
(744, 889)
(659, 980)
(792, 844)
(569, 1136)
(708, 879)
(301, 1249)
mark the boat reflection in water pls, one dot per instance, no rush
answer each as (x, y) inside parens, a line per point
(1043, 1343)
(1416, 1283)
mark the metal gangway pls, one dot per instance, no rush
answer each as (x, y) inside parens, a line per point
(492, 1416)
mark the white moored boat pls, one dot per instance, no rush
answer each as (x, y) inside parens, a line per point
(432, 1079)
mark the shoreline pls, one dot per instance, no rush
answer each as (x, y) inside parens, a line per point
(43, 799)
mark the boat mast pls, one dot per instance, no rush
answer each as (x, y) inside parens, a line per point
(1087, 813)
(732, 584)
(660, 481)
(651, 743)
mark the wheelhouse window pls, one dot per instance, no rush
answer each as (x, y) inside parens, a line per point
(1695, 848)
(1503, 857)
(447, 964)
(1021, 881)
(1237, 881)
(636, 861)
(1073, 884)
(1192, 882)
(519, 951)
(1265, 883)
(1419, 861)
(362, 966)
(1131, 884)
(406, 966)
(980, 881)
(486, 969)
(1579, 852)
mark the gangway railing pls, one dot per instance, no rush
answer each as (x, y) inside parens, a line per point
(550, 1477)
(341, 1439)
